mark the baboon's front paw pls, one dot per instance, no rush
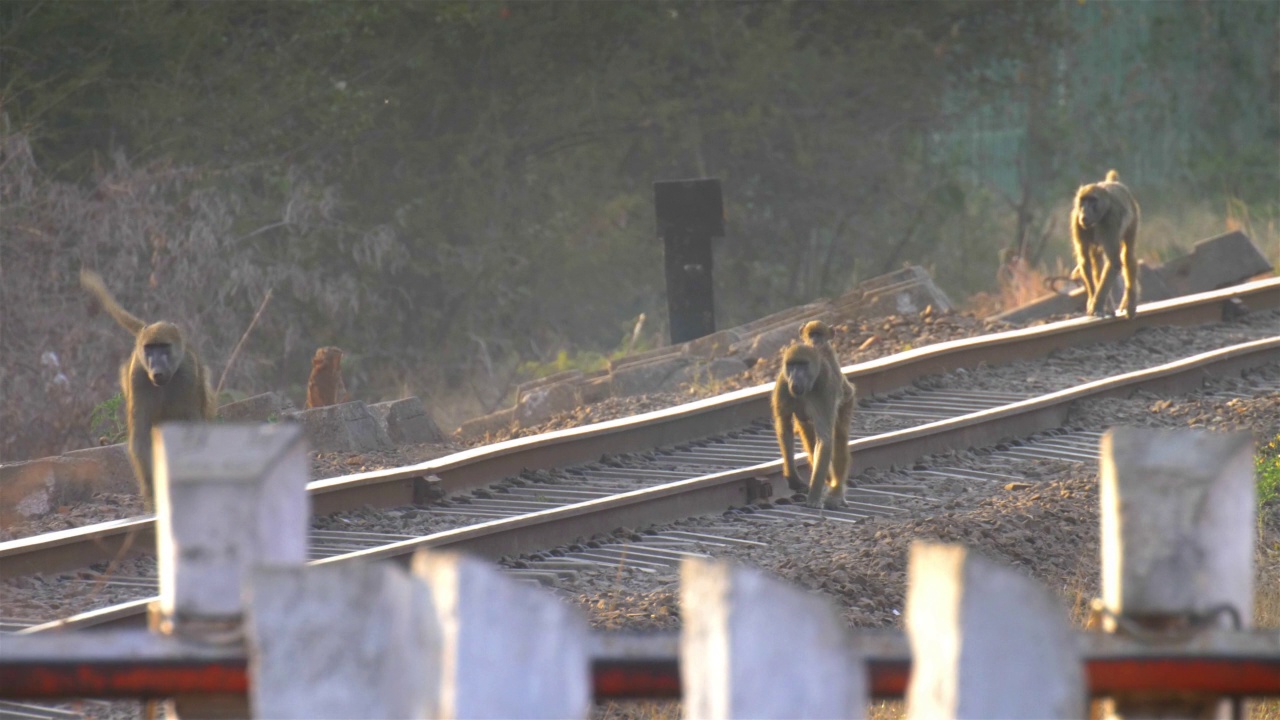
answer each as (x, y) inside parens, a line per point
(836, 502)
(795, 484)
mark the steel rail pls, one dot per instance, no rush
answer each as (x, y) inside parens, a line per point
(624, 665)
(718, 491)
(477, 467)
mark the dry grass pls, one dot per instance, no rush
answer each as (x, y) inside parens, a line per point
(1266, 609)
(1020, 283)
(639, 710)
(188, 245)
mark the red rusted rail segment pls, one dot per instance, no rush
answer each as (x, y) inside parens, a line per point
(135, 664)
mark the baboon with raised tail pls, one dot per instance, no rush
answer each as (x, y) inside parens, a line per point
(162, 380)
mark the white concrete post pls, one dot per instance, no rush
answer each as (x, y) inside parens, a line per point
(1178, 523)
(228, 497)
(753, 646)
(986, 641)
(343, 642)
(509, 650)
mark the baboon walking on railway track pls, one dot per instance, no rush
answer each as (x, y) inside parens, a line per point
(1104, 234)
(812, 397)
(162, 380)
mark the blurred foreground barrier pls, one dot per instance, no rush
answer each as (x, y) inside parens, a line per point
(229, 497)
(240, 616)
(1178, 530)
(453, 639)
(990, 641)
(753, 646)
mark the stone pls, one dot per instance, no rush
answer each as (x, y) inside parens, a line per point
(546, 401)
(349, 427)
(596, 389)
(704, 373)
(267, 407)
(906, 298)
(713, 345)
(494, 422)
(37, 487)
(407, 422)
(770, 342)
(648, 376)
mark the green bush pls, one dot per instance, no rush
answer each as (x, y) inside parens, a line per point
(1268, 474)
(107, 419)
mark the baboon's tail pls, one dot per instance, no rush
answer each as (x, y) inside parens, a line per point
(1113, 176)
(92, 282)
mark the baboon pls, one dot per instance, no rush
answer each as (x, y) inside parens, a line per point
(325, 386)
(1104, 233)
(816, 400)
(819, 335)
(162, 380)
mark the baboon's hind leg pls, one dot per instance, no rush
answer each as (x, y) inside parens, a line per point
(1130, 270)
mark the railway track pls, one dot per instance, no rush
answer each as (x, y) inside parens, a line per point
(549, 515)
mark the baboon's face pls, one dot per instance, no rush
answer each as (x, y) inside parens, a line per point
(160, 363)
(1091, 210)
(800, 377)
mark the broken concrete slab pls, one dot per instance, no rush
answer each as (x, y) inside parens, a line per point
(526, 387)
(796, 316)
(111, 466)
(38, 487)
(906, 298)
(724, 368)
(544, 402)
(494, 422)
(908, 274)
(266, 407)
(646, 356)
(703, 373)
(647, 377)
(769, 343)
(595, 389)
(407, 421)
(349, 427)
(713, 345)
(1215, 263)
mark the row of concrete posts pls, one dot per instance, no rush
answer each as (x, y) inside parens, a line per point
(451, 636)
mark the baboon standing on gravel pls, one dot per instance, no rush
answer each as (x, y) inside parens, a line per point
(162, 380)
(1104, 234)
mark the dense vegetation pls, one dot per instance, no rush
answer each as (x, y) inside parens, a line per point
(448, 189)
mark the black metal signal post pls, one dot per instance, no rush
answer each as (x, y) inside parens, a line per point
(690, 213)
